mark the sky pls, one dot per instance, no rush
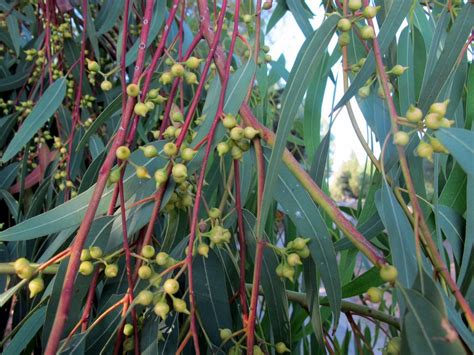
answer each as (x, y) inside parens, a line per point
(286, 38)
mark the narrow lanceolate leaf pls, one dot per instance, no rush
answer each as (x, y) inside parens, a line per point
(426, 328)
(313, 107)
(5, 296)
(113, 107)
(301, 209)
(43, 110)
(70, 213)
(449, 58)
(303, 71)
(14, 32)
(390, 26)
(27, 331)
(460, 144)
(400, 234)
(298, 12)
(406, 82)
(211, 295)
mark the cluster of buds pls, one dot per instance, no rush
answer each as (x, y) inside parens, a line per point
(26, 271)
(24, 108)
(40, 60)
(5, 105)
(294, 251)
(59, 33)
(87, 101)
(365, 90)
(264, 56)
(158, 292)
(60, 176)
(181, 70)
(345, 24)
(95, 255)
(239, 138)
(433, 120)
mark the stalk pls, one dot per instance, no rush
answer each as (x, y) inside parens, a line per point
(73, 266)
(434, 255)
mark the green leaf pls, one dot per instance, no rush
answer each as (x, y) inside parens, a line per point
(14, 32)
(393, 19)
(71, 213)
(452, 225)
(454, 191)
(318, 166)
(448, 60)
(313, 107)
(406, 82)
(14, 81)
(425, 285)
(211, 295)
(91, 32)
(279, 11)
(401, 236)
(5, 296)
(8, 175)
(301, 18)
(311, 281)
(43, 110)
(460, 145)
(112, 108)
(303, 212)
(302, 72)
(149, 344)
(26, 333)
(108, 15)
(426, 328)
(358, 286)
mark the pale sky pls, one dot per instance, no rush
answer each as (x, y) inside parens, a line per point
(286, 38)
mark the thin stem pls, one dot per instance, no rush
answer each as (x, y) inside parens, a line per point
(435, 257)
(242, 248)
(73, 266)
(346, 306)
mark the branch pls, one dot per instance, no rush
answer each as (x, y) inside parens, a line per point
(346, 306)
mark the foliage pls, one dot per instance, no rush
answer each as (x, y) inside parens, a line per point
(165, 180)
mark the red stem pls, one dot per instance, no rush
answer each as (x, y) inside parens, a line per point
(435, 257)
(240, 222)
(90, 300)
(73, 266)
(197, 202)
(128, 263)
(254, 298)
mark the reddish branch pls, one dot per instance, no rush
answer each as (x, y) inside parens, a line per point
(128, 265)
(242, 251)
(73, 266)
(195, 213)
(434, 255)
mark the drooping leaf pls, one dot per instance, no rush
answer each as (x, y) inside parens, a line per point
(26, 333)
(459, 143)
(41, 113)
(311, 53)
(449, 56)
(211, 296)
(400, 235)
(427, 331)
